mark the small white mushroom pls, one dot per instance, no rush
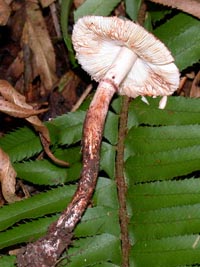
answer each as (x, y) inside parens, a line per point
(124, 58)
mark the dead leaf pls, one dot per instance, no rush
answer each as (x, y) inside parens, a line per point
(36, 36)
(7, 178)
(8, 2)
(16, 111)
(4, 12)
(11, 95)
(14, 104)
(190, 6)
(16, 68)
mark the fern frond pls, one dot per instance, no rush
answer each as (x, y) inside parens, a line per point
(151, 139)
(95, 221)
(95, 250)
(26, 232)
(164, 215)
(7, 261)
(42, 172)
(48, 202)
(107, 162)
(171, 251)
(179, 111)
(165, 222)
(163, 165)
(69, 127)
(163, 194)
(183, 40)
(21, 144)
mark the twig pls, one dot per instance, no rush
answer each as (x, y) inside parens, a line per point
(121, 184)
(82, 98)
(55, 19)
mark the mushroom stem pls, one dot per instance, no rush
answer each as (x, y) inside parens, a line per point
(49, 248)
(45, 251)
(92, 136)
(121, 65)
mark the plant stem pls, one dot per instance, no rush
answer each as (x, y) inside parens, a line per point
(121, 184)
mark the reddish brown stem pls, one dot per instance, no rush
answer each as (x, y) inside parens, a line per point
(47, 250)
(121, 183)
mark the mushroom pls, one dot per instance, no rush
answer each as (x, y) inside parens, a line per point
(124, 58)
(125, 54)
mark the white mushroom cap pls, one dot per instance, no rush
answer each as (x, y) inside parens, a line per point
(98, 40)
